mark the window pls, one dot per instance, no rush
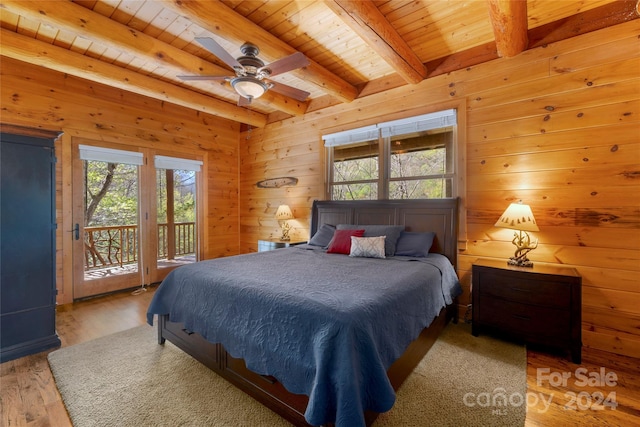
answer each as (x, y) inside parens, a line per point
(412, 158)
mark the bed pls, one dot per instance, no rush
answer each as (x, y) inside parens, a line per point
(320, 338)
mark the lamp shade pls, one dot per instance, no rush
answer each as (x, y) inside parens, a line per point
(518, 217)
(248, 87)
(284, 212)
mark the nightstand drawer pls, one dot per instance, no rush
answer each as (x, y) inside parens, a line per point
(525, 319)
(525, 290)
(541, 304)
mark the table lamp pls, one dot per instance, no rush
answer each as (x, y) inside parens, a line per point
(283, 214)
(520, 218)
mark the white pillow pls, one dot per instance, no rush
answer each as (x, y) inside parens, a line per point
(369, 247)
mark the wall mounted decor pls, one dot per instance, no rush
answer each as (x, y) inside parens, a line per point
(285, 181)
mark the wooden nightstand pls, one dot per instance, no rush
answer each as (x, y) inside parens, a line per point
(540, 305)
(271, 244)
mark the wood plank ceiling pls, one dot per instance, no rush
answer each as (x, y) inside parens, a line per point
(355, 48)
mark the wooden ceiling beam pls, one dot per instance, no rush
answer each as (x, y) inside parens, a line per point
(33, 51)
(591, 20)
(106, 32)
(509, 22)
(370, 24)
(219, 19)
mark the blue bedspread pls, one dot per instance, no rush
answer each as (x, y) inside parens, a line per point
(325, 325)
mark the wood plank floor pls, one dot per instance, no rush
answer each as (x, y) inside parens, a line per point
(29, 397)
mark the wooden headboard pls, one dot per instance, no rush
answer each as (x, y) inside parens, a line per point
(437, 215)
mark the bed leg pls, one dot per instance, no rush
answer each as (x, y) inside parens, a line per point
(453, 311)
(161, 323)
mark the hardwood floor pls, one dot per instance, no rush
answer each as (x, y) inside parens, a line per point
(29, 397)
(28, 394)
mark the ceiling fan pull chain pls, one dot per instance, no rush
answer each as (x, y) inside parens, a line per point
(249, 126)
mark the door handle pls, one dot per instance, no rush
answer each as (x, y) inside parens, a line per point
(76, 231)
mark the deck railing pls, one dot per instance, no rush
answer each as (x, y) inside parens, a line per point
(184, 233)
(117, 245)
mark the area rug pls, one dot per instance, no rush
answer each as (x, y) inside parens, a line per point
(127, 379)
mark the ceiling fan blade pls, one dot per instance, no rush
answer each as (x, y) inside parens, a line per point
(288, 63)
(196, 77)
(212, 46)
(289, 91)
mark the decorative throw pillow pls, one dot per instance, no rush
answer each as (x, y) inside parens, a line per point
(391, 231)
(369, 247)
(341, 242)
(415, 244)
(323, 236)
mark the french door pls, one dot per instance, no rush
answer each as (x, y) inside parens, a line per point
(134, 214)
(175, 242)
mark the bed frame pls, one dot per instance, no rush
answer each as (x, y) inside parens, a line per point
(439, 216)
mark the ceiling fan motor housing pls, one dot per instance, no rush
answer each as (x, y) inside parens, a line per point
(249, 49)
(250, 62)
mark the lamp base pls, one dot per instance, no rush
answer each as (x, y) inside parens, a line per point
(523, 244)
(284, 237)
(520, 262)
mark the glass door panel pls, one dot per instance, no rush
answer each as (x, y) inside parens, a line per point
(106, 231)
(176, 219)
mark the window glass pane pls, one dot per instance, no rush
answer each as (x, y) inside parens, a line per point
(420, 154)
(436, 188)
(111, 219)
(355, 162)
(176, 196)
(365, 191)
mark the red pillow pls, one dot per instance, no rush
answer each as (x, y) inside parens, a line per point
(341, 242)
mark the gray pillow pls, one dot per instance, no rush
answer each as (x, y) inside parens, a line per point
(392, 233)
(415, 244)
(323, 236)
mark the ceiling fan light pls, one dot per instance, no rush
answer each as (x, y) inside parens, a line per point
(248, 87)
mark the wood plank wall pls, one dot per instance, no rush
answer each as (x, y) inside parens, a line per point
(39, 98)
(557, 126)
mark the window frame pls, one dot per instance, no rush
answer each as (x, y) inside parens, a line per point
(383, 143)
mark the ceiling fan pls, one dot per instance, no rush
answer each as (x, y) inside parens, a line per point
(250, 81)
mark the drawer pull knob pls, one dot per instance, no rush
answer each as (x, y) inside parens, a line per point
(521, 317)
(521, 290)
(186, 331)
